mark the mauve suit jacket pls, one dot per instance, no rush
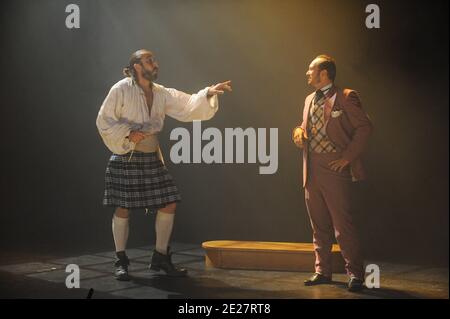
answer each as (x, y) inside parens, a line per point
(347, 126)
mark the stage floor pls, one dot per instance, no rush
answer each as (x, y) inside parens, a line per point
(44, 277)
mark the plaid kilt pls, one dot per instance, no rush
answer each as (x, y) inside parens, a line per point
(143, 182)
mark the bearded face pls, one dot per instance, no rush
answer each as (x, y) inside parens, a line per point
(150, 74)
(148, 67)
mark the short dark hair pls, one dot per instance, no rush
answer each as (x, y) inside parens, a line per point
(328, 64)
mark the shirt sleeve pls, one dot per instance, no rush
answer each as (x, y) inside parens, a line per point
(113, 129)
(186, 107)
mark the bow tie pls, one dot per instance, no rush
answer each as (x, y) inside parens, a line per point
(319, 96)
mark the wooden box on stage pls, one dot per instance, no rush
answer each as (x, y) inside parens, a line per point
(258, 255)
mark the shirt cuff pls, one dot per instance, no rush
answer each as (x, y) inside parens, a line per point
(127, 144)
(213, 100)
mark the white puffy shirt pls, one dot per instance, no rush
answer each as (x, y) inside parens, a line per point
(125, 109)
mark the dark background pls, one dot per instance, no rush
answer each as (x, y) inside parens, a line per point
(55, 79)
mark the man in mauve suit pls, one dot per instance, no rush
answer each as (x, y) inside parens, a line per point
(333, 135)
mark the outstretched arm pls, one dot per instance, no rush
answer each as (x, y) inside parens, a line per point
(199, 106)
(219, 88)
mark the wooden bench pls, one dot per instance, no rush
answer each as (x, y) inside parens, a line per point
(258, 255)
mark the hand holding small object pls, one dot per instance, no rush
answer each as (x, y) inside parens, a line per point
(135, 137)
(299, 136)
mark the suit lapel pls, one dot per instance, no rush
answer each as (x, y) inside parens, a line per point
(328, 106)
(327, 110)
(306, 110)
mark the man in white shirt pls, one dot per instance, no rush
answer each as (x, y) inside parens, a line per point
(128, 121)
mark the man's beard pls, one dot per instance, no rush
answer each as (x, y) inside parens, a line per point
(151, 76)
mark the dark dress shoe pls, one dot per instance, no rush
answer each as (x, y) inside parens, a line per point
(355, 284)
(164, 262)
(121, 265)
(317, 279)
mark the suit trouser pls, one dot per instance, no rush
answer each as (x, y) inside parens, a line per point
(329, 203)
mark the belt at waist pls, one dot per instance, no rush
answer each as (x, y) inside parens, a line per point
(149, 144)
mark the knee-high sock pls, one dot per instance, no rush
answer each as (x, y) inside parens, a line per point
(163, 227)
(120, 232)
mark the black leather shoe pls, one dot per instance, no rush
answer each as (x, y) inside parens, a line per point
(121, 265)
(317, 279)
(355, 284)
(164, 262)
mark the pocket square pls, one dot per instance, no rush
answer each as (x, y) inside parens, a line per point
(335, 114)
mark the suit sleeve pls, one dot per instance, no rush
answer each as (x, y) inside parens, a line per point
(362, 127)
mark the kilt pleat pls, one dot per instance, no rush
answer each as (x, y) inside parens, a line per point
(142, 182)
